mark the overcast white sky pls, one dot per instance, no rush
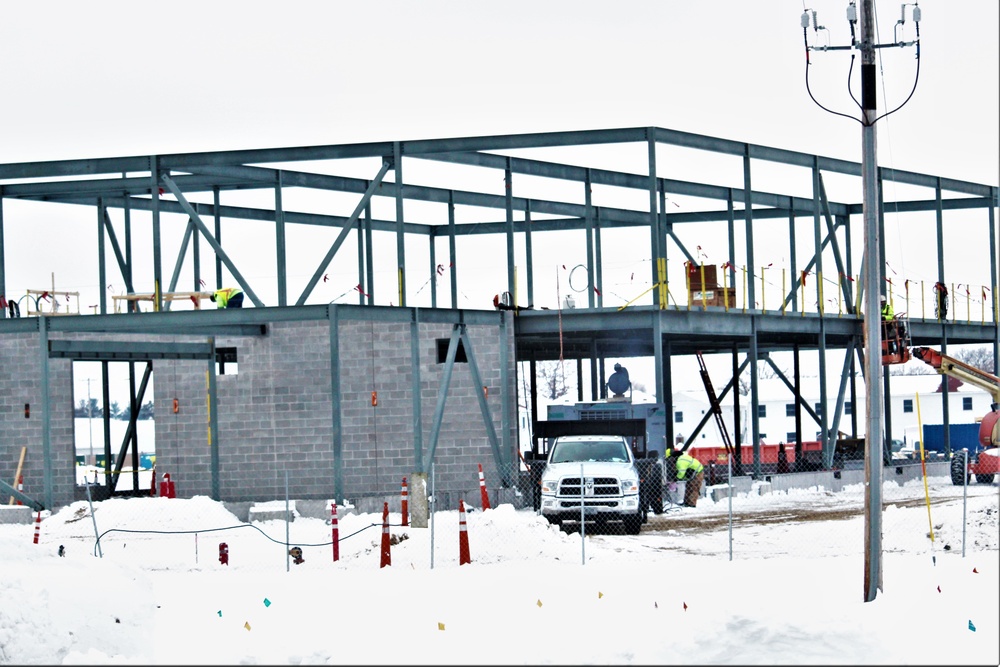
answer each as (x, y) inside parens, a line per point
(114, 78)
(123, 78)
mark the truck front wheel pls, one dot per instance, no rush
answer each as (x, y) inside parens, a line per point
(633, 523)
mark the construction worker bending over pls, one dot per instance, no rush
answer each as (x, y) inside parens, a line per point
(231, 297)
(691, 471)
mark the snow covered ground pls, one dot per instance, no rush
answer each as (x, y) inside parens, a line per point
(154, 591)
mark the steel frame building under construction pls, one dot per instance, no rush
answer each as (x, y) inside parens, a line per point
(351, 397)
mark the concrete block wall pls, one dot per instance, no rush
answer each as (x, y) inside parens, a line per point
(275, 413)
(20, 384)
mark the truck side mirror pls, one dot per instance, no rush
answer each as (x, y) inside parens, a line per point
(652, 454)
(529, 456)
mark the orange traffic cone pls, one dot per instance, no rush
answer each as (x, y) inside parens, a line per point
(482, 489)
(386, 558)
(463, 535)
(403, 505)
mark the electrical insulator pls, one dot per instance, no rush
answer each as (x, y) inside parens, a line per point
(852, 13)
(805, 19)
(916, 14)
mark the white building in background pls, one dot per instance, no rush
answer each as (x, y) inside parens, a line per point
(914, 400)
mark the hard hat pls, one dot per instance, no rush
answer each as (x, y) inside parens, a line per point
(882, 299)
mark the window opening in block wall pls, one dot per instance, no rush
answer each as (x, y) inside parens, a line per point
(442, 351)
(226, 362)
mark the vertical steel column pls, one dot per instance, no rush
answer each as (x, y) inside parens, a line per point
(43, 402)
(737, 421)
(397, 165)
(939, 224)
(106, 397)
(797, 380)
(824, 435)
(3, 264)
(196, 258)
(594, 390)
(655, 236)
(452, 252)
(533, 388)
(754, 398)
(369, 251)
(792, 259)
(665, 229)
(845, 222)
(751, 293)
(817, 238)
(336, 430)
(731, 232)
(668, 391)
(508, 179)
(530, 261)
(102, 269)
(132, 437)
(361, 258)
(217, 215)
(127, 206)
(154, 190)
(658, 369)
(993, 278)
(418, 425)
(598, 287)
(507, 445)
(279, 242)
(213, 421)
(854, 390)
(432, 261)
(588, 224)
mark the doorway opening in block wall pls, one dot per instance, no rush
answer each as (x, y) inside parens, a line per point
(113, 450)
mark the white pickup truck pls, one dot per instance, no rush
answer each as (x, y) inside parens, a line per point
(597, 473)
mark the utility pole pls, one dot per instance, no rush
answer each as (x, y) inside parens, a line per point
(871, 265)
(872, 312)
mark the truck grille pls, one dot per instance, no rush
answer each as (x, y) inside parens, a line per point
(592, 486)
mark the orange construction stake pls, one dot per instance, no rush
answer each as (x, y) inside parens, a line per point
(386, 557)
(336, 532)
(463, 535)
(404, 509)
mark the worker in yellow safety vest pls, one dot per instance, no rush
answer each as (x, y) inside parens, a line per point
(689, 464)
(231, 297)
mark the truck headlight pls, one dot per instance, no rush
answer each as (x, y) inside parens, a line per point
(630, 486)
(548, 486)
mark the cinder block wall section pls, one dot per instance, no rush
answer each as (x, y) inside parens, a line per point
(20, 386)
(276, 411)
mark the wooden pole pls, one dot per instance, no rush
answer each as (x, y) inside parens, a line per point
(17, 475)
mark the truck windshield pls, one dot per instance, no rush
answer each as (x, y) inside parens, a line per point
(598, 450)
